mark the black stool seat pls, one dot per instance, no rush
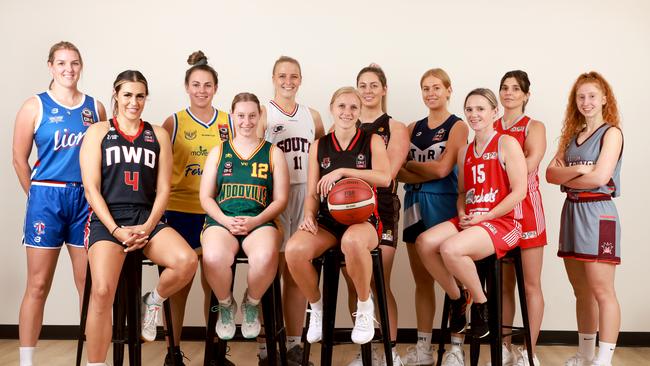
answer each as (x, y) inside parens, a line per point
(331, 262)
(275, 333)
(126, 309)
(491, 275)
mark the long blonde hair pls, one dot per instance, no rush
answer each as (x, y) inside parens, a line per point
(62, 45)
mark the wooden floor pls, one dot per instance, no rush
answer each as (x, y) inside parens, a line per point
(55, 353)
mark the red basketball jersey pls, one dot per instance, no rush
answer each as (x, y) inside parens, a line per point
(519, 131)
(485, 178)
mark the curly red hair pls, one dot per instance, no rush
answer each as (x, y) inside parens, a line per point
(574, 121)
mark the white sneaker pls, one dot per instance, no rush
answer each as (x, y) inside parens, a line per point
(250, 326)
(226, 323)
(507, 357)
(150, 315)
(522, 360)
(397, 361)
(577, 360)
(454, 357)
(598, 363)
(419, 355)
(377, 359)
(364, 327)
(315, 330)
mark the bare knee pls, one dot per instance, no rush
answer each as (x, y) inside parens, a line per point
(353, 245)
(449, 251)
(297, 252)
(102, 296)
(38, 289)
(265, 259)
(218, 259)
(604, 293)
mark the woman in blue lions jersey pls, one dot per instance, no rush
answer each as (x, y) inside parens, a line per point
(56, 122)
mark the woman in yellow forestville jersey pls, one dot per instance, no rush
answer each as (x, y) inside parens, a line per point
(194, 132)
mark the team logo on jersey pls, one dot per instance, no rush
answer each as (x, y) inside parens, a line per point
(490, 155)
(190, 135)
(148, 136)
(223, 132)
(439, 136)
(361, 161)
(484, 197)
(87, 117)
(418, 134)
(277, 129)
(227, 169)
(325, 163)
(39, 227)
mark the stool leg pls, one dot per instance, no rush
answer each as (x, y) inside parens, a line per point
(281, 331)
(483, 270)
(169, 324)
(380, 286)
(84, 315)
(366, 354)
(331, 271)
(269, 326)
(318, 266)
(134, 292)
(523, 304)
(210, 330)
(446, 307)
(495, 293)
(119, 319)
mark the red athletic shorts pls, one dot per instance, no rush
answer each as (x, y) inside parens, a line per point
(533, 223)
(505, 233)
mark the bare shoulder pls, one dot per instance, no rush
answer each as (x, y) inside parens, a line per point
(160, 132)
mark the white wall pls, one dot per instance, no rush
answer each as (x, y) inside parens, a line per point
(475, 41)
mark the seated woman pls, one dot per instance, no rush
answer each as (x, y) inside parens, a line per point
(332, 157)
(126, 169)
(491, 184)
(244, 187)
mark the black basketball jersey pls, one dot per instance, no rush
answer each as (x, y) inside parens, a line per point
(129, 166)
(331, 156)
(381, 127)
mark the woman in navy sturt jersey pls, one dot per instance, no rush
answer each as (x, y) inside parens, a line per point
(431, 178)
(587, 166)
(492, 182)
(345, 152)
(126, 167)
(244, 187)
(372, 85)
(55, 121)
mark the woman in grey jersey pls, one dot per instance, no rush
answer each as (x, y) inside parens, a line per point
(587, 168)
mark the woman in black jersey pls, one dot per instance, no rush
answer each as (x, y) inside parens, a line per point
(126, 170)
(345, 152)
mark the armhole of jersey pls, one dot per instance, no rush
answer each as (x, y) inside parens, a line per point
(271, 149)
(96, 108)
(499, 154)
(39, 116)
(231, 133)
(530, 120)
(174, 129)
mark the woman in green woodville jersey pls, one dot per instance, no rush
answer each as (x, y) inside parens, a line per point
(244, 187)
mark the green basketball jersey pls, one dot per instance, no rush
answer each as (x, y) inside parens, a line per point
(245, 185)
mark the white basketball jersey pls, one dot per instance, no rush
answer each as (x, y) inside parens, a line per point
(292, 132)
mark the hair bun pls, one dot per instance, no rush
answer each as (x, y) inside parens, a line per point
(197, 58)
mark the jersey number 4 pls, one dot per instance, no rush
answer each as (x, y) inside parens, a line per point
(132, 179)
(478, 174)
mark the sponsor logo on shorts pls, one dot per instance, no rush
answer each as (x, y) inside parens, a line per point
(490, 227)
(361, 161)
(148, 136)
(387, 235)
(87, 117)
(190, 135)
(529, 235)
(325, 163)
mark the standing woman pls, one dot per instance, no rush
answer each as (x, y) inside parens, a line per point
(345, 152)
(292, 127)
(56, 121)
(491, 184)
(194, 132)
(587, 166)
(372, 85)
(126, 166)
(244, 187)
(431, 178)
(514, 93)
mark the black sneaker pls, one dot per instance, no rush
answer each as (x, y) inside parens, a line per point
(458, 316)
(226, 361)
(480, 325)
(177, 356)
(294, 356)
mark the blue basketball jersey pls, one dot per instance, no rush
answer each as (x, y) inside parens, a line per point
(58, 133)
(428, 145)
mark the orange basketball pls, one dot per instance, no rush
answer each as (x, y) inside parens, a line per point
(351, 201)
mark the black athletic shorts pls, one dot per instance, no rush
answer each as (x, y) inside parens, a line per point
(327, 222)
(123, 216)
(388, 207)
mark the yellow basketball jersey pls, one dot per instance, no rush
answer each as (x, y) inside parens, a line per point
(192, 140)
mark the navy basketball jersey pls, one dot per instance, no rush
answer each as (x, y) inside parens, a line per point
(332, 156)
(129, 166)
(58, 133)
(428, 145)
(381, 127)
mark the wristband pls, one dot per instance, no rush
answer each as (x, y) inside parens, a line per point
(113, 232)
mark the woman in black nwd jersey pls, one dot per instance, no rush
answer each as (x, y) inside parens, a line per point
(126, 169)
(244, 187)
